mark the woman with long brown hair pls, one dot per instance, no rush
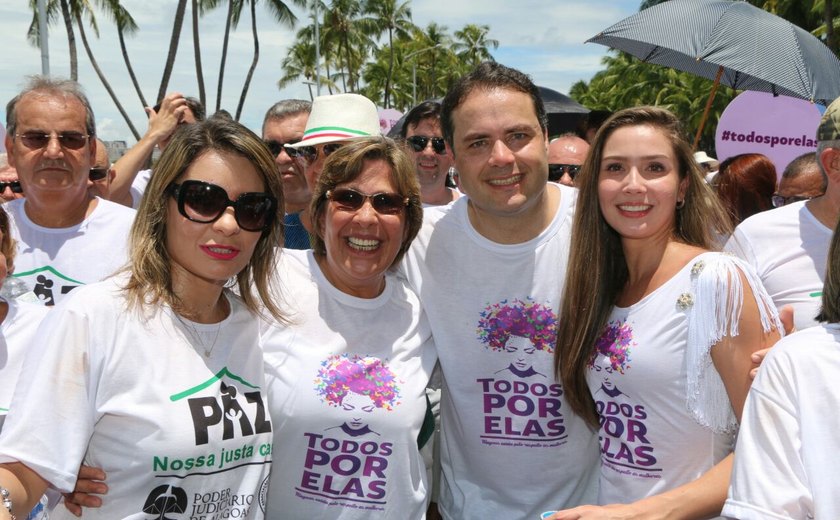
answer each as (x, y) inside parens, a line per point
(656, 331)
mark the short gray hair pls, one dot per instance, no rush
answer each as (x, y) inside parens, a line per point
(821, 147)
(57, 87)
(287, 108)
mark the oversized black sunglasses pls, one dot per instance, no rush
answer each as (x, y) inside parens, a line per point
(97, 174)
(275, 147)
(556, 171)
(310, 153)
(12, 185)
(352, 200)
(69, 140)
(419, 142)
(204, 203)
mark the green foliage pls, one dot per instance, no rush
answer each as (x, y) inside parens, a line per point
(628, 82)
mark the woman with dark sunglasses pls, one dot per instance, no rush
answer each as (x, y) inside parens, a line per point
(346, 377)
(155, 375)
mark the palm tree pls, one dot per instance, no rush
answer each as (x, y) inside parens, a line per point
(281, 13)
(77, 14)
(54, 7)
(199, 7)
(125, 25)
(472, 44)
(341, 24)
(388, 15)
(173, 48)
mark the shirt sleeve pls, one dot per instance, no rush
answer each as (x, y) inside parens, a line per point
(769, 478)
(51, 418)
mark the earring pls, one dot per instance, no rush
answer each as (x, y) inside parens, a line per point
(680, 204)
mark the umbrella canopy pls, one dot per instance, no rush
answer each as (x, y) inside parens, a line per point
(752, 49)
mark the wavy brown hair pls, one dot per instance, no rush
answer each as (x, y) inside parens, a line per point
(597, 270)
(150, 280)
(347, 163)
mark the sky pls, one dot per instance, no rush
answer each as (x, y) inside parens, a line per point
(543, 38)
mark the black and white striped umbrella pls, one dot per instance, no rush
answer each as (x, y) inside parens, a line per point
(733, 43)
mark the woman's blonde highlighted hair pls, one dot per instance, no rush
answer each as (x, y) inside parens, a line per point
(150, 280)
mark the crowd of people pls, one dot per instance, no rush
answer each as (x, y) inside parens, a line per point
(472, 319)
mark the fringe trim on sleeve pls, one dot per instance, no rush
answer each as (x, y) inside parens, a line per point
(713, 314)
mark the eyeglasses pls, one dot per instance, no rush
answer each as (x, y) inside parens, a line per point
(275, 147)
(69, 140)
(205, 203)
(556, 171)
(419, 142)
(352, 200)
(12, 185)
(310, 153)
(97, 174)
(780, 200)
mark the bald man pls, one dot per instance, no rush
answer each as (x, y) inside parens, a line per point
(565, 156)
(101, 173)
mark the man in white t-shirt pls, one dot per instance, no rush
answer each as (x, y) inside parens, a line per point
(65, 237)
(489, 269)
(788, 246)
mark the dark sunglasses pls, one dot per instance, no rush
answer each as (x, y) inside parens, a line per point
(69, 140)
(205, 203)
(419, 142)
(556, 171)
(310, 153)
(12, 185)
(778, 200)
(275, 147)
(97, 174)
(352, 200)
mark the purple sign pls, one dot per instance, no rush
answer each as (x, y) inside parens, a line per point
(387, 118)
(780, 127)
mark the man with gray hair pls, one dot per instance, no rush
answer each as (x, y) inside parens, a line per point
(284, 124)
(788, 246)
(65, 237)
(801, 180)
(10, 188)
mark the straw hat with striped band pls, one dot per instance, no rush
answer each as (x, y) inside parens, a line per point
(339, 117)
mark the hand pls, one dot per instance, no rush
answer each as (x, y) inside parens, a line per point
(786, 317)
(609, 512)
(90, 480)
(162, 124)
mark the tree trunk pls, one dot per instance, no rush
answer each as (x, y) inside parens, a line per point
(253, 61)
(390, 69)
(199, 73)
(173, 49)
(71, 41)
(224, 56)
(130, 68)
(829, 26)
(104, 81)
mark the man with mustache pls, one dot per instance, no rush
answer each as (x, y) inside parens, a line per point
(65, 237)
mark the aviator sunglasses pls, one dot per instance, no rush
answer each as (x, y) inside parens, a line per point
(12, 185)
(69, 140)
(419, 142)
(310, 153)
(556, 171)
(352, 200)
(204, 203)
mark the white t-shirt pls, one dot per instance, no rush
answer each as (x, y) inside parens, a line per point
(54, 261)
(651, 438)
(785, 460)
(179, 433)
(138, 187)
(510, 446)
(19, 331)
(346, 382)
(788, 248)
